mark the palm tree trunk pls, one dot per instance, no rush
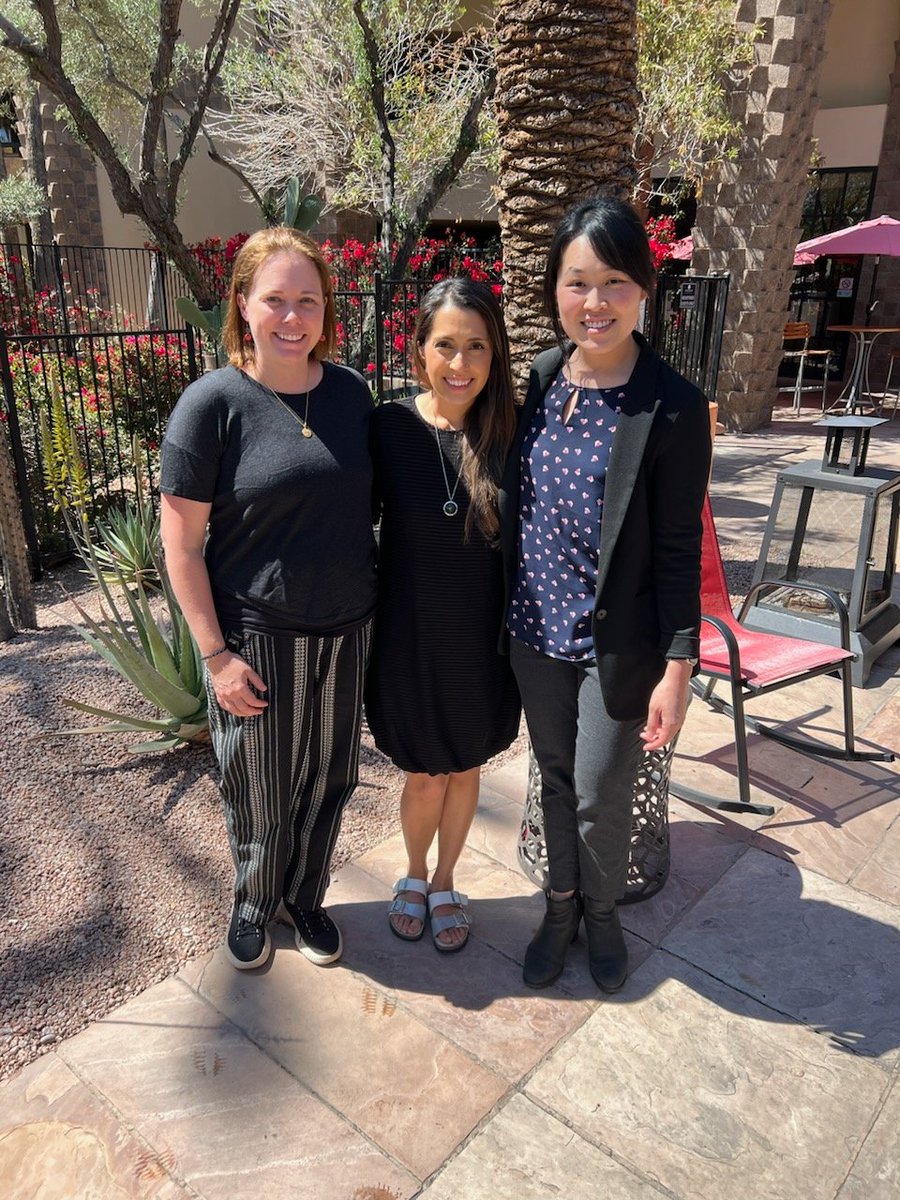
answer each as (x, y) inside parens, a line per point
(567, 102)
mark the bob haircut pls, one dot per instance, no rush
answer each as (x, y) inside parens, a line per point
(258, 249)
(617, 236)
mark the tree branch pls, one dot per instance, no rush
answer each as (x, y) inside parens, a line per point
(14, 39)
(446, 175)
(45, 65)
(230, 166)
(388, 147)
(160, 76)
(111, 75)
(216, 47)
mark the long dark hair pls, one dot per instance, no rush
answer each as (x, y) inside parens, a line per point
(491, 421)
(617, 235)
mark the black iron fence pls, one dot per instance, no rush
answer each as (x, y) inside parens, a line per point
(116, 390)
(687, 320)
(86, 289)
(120, 385)
(54, 288)
(116, 386)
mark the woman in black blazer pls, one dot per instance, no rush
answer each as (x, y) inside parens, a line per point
(600, 525)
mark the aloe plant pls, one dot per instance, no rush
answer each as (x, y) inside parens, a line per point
(159, 657)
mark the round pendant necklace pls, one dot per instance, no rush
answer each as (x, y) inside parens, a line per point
(451, 508)
(304, 420)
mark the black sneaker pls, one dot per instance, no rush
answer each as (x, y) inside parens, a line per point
(248, 944)
(316, 935)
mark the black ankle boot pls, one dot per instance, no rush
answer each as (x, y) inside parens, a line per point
(607, 952)
(546, 953)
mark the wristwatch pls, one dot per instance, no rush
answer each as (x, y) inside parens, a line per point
(683, 658)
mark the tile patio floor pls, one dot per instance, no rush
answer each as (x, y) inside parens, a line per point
(754, 1051)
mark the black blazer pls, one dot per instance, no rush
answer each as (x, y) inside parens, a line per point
(647, 606)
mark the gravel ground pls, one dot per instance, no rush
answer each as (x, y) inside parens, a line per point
(114, 868)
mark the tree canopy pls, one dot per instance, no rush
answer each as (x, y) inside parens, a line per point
(687, 51)
(377, 104)
(133, 90)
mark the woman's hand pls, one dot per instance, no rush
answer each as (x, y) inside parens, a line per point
(668, 705)
(236, 685)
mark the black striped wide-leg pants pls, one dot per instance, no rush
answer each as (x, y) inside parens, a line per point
(287, 774)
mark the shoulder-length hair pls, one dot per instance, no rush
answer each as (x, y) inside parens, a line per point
(256, 251)
(491, 421)
(617, 235)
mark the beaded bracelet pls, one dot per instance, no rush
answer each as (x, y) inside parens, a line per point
(207, 657)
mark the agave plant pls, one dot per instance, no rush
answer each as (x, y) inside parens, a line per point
(128, 542)
(158, 656)
(207, 320)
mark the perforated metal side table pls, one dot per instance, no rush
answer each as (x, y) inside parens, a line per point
(840, 531)
(648, 864)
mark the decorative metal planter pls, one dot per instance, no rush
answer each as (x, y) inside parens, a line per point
(648, 865)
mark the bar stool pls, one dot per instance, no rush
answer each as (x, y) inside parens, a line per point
(893, 358)
(799, 331)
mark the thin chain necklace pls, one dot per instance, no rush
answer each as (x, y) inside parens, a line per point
(304, 420)
(451, 508)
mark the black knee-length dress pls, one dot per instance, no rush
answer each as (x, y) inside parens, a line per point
(439, 696)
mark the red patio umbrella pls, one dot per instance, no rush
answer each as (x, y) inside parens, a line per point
(878, 236)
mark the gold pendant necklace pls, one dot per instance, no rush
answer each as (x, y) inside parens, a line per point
(304, 420)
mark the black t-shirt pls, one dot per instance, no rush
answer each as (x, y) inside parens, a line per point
(290, 547)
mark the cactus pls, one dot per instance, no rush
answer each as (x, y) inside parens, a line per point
(290, 208)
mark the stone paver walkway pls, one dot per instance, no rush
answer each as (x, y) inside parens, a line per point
(754, 1051)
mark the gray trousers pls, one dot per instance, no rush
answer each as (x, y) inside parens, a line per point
(287, 774)
(588, 764)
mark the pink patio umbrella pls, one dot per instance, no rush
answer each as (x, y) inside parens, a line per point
(878, 236)
(683, 250)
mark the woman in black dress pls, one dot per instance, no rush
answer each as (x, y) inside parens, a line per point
(440, 699)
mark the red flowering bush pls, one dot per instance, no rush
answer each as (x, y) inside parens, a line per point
(215, 257)
(354, 263)
(661, 232)
(114, 386)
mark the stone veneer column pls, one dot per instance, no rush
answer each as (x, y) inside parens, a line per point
(886, 202)
(71, 183)
(748, 220)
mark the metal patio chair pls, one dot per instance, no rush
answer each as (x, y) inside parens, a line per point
(754, 663)
(799, 332)
(892, 398)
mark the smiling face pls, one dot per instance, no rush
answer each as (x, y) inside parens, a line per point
(455, 359)
(285, 309)
(598, 306)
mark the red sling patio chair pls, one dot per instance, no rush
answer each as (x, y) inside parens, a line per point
(755, 663)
